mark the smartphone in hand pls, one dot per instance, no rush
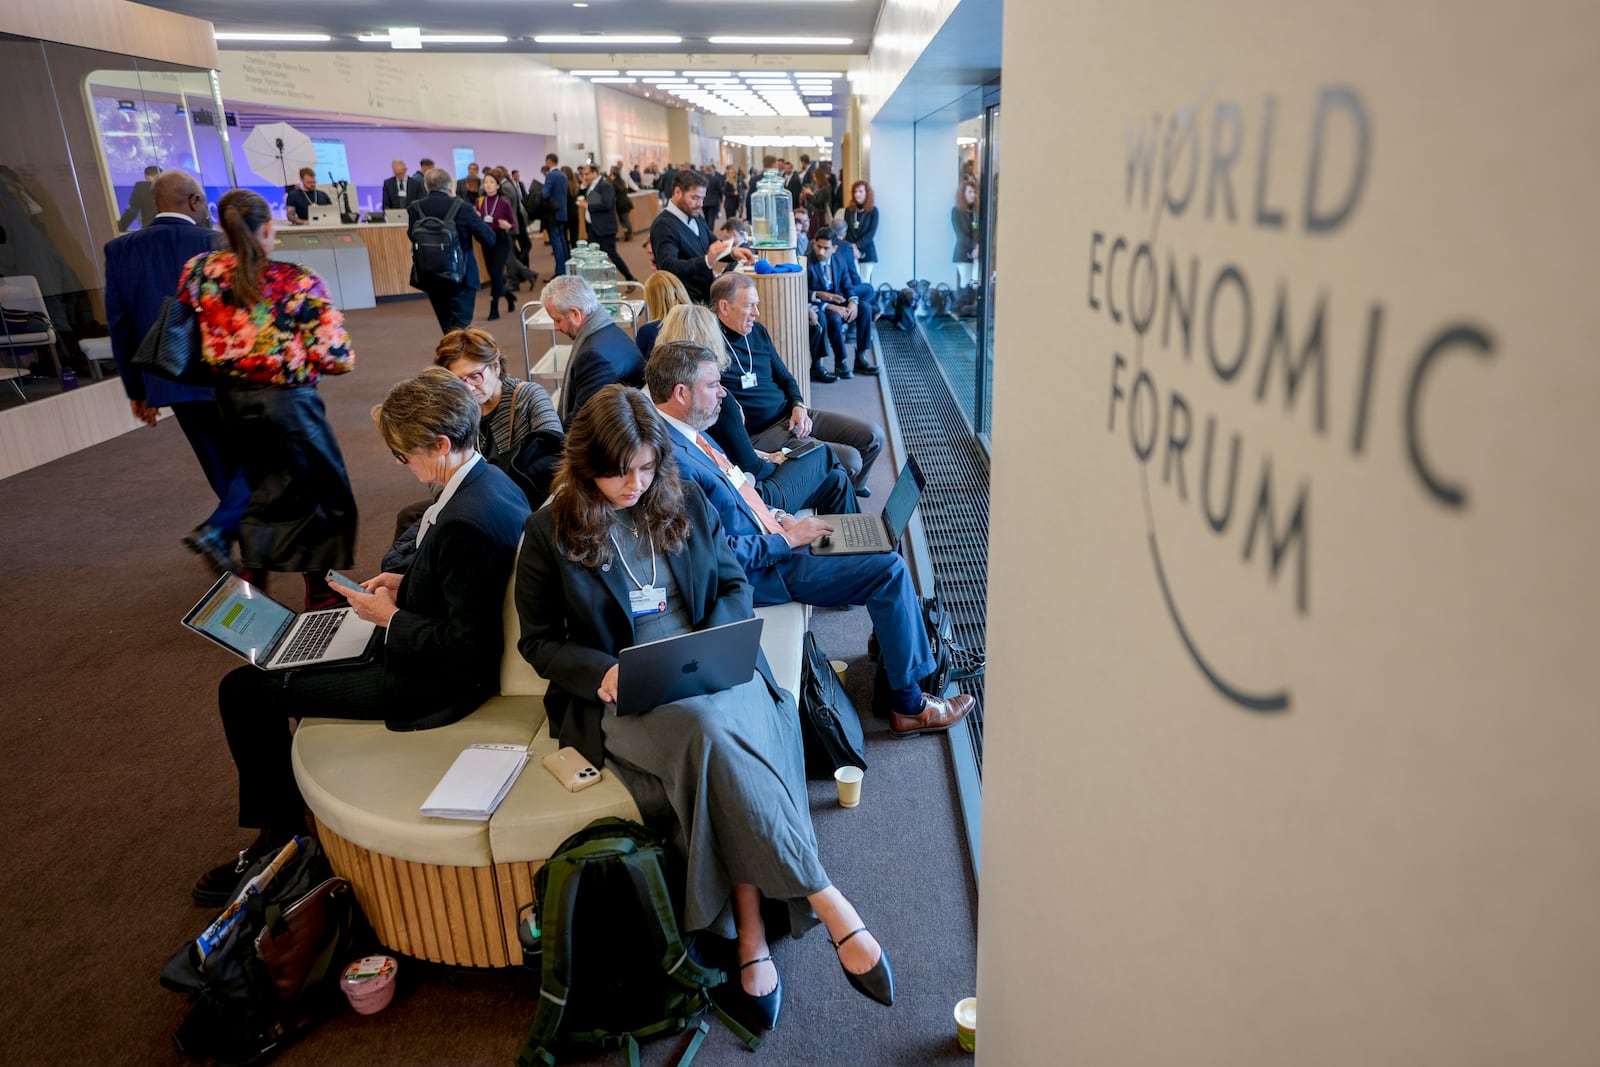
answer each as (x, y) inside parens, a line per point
(335, 578)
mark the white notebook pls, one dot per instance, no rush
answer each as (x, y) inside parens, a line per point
(476, 782)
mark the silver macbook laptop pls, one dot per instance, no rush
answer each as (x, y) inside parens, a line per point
(860, 534)
(258, 629)
(689, 665)
(323, 215)
(395, 214)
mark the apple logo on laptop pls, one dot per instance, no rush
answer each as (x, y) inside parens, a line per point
(692, 666)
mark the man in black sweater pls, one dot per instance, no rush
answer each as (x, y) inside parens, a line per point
(774, 412)
(681, 240)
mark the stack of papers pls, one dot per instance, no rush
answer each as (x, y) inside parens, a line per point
(476, 782)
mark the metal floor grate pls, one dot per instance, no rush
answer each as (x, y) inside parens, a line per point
(955, 506)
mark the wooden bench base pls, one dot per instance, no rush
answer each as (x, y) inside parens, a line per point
(464, 916)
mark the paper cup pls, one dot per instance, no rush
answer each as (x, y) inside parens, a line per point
(839, 667)
(848, 779)
(967, 1023)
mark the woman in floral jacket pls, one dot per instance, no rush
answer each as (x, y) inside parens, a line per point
(268, 332)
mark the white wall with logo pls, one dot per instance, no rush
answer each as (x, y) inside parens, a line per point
(1301, 771)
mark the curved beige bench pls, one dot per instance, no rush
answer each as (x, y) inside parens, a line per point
(448, 890)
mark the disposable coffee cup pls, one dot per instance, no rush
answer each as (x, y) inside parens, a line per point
(967, 1023)
(839, 666)
(848, 779)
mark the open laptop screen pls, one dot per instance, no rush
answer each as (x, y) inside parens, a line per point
(243, 618)
(903, 499)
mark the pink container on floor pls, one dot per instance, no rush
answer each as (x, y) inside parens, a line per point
(369, 983)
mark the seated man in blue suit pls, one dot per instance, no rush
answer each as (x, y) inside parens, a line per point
(775, 548)
(852, 285)
(835, 307)
(141, 268)
(602, 352)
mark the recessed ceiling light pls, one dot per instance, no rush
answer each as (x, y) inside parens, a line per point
(603, 38)
(820, 107)
(272, 37)
(580, 4)
(594, 73)
(612, 81)
(781, 40)
(710, 73)
(400, 39)
(654, 73)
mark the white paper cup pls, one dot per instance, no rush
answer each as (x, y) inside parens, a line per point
(839, 666)
(848, 779)
(967, 1024)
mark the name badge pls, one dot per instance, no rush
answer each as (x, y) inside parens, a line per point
(650, 600)
(747, 381)
(736, 476)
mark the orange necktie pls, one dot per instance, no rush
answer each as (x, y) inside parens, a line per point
(747, 490)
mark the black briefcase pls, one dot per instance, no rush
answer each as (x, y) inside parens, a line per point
(828, 719)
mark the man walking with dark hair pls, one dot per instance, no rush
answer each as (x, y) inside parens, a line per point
(555, 205)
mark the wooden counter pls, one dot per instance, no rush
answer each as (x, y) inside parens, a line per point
(388, 249)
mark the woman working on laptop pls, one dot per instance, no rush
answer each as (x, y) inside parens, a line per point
(439, 657)
(721, 773)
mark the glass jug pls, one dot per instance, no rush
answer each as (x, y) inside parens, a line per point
(771, 213)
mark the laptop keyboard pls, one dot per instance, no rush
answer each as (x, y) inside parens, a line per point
(859, 531)
(314, 636)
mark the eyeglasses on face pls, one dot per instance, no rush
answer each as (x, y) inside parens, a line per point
(400, 457)
(476, 377)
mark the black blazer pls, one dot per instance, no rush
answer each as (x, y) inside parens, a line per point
(436, 205)
(600, 200)
(441, 657)
(607, 355)
(391, 190)
(682, 252)
(298, 202)
(576, 619)
(861, 230)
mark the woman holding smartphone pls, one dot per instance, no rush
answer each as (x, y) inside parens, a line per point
(722, 774)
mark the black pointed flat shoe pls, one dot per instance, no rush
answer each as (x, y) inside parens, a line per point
(878, 983)
(767, 1006)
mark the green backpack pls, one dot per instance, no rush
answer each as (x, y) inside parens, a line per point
(614, 970)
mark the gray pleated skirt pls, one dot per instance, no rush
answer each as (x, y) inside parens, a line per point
(724, 776)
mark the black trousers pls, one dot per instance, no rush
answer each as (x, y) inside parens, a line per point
(608, 245)
(214, 446)
(452, 306)
(495, 260)
(256, 707)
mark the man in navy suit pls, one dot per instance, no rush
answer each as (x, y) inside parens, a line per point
(681, 240)
(141, 268)
(775, 548)
(835, 307)
(399, 191)
(600, 213)
(602, 352)
(843, 260)
(452, 302)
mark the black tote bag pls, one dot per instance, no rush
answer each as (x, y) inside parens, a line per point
(172, 347)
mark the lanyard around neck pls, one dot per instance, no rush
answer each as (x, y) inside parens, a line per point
(623, 559)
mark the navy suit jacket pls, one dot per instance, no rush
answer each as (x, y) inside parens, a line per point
(576, 619)
(814, 281)
(436, 205)
(601, 203)
(141, 268)
(607, 355)
(391, 188)
(758, 552)
(441, 656)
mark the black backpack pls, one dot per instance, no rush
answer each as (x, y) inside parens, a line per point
(436, 252)
(275, 972)
(603, 937)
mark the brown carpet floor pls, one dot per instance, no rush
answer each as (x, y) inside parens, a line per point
(117, 789)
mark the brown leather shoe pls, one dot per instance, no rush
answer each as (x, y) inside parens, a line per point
(938, 715)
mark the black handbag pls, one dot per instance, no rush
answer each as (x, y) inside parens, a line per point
(829, 722)
(172, 347)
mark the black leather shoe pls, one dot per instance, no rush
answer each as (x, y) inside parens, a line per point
(211, 545)
(864, 492)
(878, 983)
(216, 887)
(819, 373)
(865, 368)
(842, 371)
(767, 1006)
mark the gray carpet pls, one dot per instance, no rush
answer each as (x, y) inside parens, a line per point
(118, 790)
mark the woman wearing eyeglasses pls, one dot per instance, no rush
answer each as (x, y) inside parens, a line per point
(438, 655)
(626, 553)
(519, 431)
